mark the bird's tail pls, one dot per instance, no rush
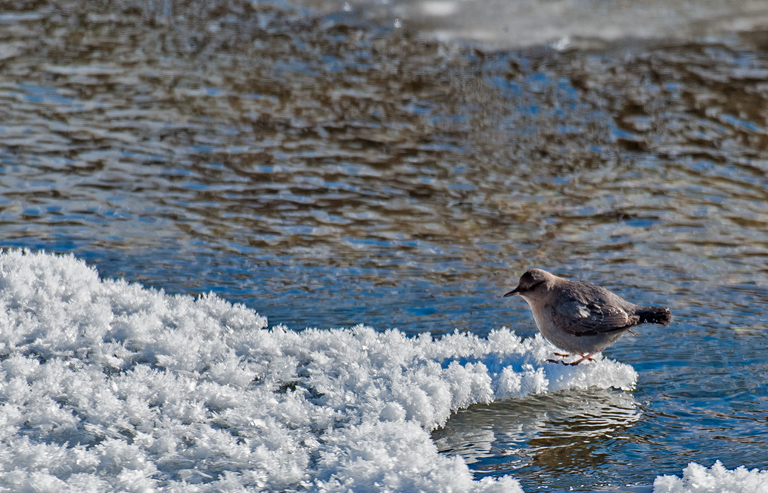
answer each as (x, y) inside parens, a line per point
(654, 315)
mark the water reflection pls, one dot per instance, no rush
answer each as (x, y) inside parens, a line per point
(555, 439)
(407, 181)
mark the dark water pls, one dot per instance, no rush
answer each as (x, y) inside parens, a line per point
(328, 172)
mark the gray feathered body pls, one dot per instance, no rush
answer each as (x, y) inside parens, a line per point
(579, 317)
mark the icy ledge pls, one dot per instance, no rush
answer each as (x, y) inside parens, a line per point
(108, 386)
(718, 479)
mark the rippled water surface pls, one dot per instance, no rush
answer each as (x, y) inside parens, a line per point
(328, 172)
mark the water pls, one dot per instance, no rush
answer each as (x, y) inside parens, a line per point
(327, 171)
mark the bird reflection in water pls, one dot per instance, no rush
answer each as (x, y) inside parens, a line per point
(561, 435)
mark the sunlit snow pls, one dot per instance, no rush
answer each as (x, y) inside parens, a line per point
(109, 386)
(717, 479)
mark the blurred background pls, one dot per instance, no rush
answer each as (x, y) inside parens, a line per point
(504, 24)
(400, 164)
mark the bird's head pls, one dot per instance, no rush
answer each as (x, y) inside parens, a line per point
(534, 284)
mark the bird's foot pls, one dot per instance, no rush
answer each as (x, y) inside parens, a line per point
(562, 355)
(582, 357)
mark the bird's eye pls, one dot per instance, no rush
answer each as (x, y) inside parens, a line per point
(534, 285)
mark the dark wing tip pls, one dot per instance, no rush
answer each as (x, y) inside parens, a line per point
(655, 315)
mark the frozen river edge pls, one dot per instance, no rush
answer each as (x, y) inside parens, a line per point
(109, 386)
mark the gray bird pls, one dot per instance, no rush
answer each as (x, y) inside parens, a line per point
(579, 317)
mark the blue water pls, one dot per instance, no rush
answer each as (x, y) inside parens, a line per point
(328, 175)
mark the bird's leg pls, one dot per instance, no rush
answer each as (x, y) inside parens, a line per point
(582, 357)
(632, 332)
(562, 356)
(587, 356)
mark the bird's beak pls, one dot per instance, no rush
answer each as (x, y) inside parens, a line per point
(514, 292)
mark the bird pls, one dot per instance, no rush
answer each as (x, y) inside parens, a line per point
(579, 317)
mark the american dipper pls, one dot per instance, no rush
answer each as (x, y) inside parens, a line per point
(579, 317)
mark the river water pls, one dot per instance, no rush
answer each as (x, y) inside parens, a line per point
(329, 170)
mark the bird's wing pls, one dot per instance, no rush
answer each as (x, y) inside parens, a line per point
(580, 318)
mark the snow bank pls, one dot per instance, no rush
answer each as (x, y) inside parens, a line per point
(718, 479)
(108, 386)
